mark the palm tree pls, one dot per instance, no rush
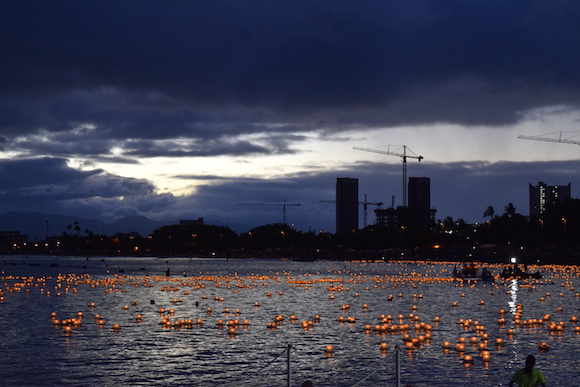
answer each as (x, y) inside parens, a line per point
(448, 223)
(510, 210)
(489, 212)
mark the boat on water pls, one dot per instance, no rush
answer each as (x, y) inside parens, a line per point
(516, 272)
(520, 274)
(472, 272)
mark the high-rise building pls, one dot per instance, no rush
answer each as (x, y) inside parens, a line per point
(346, 205)
(420, 193)
(542, 196)
(418, 214)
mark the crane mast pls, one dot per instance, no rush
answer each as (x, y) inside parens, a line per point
(283, 205)
(365, 203)
(403, 155)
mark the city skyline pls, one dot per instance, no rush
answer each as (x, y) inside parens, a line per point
(183, 110)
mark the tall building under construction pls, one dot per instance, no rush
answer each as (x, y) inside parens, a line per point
(346, 205)
(543, 196)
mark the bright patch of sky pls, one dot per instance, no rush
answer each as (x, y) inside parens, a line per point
(436, 143)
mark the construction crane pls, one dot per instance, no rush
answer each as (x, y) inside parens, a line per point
(550, 139)
(365, 204)
(283, 205)
(396, 152)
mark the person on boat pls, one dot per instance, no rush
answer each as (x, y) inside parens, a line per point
(470, 270)
(485, 273)
(528, 376)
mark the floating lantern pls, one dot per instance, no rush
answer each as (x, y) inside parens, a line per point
(468, 360)
(486, 356)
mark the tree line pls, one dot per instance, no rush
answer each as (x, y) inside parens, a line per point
(508, 233)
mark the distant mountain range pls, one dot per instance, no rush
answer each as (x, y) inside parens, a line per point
(36, 225)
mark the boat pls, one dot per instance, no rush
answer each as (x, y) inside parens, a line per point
(520, 274)
(471, 273)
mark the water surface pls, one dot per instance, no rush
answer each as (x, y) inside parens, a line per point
(36, 352)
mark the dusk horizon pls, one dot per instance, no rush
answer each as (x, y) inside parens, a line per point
(184, 110)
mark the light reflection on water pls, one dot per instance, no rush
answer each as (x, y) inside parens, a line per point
(34, 352)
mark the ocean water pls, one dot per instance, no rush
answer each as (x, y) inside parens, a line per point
(36, 291)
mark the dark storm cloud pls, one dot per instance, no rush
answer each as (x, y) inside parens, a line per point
(160, 69)
(23, 174)
(179, 78)
(49, 185)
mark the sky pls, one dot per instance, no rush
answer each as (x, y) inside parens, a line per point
(224, 109)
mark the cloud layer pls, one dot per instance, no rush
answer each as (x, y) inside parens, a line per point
(116, 83)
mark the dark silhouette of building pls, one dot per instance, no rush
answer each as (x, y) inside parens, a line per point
(346, 205)
(420, 193)
(542, 196)
(418, 214)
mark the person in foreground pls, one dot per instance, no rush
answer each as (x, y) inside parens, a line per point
(529, 376)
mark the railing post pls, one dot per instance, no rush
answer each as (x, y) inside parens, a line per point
(288, 365)
(397, 366)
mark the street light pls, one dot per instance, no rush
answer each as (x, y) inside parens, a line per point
(513, 260)
(283, 238)
(565, 236)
